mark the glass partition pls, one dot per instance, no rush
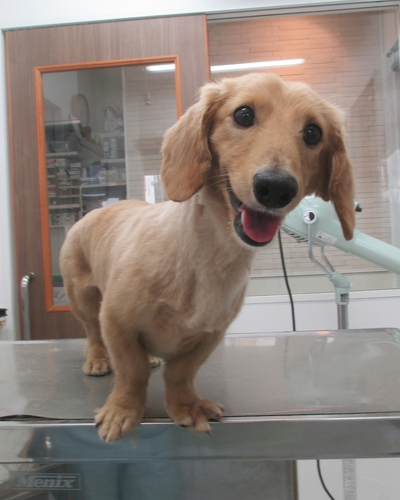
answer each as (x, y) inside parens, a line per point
(351, 59)
(102, 129)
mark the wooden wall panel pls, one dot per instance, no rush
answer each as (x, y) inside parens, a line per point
(26, 49)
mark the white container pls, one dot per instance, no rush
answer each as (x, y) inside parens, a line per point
(106, 149)
(113, 148)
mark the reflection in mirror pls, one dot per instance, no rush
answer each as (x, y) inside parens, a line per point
(103, 133)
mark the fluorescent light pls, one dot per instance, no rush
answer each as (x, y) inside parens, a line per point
(159, 68)
(256, 65)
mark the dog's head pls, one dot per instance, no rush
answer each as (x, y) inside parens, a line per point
(264, 144)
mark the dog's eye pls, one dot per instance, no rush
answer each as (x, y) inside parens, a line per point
(312, 135)
(244, 116)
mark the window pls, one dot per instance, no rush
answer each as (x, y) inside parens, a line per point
(101, 139)
(352, 60)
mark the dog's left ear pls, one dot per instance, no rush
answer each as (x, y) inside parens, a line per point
(186, 154)
(337, 185)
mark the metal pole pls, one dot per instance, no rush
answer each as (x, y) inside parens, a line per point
(343, 316)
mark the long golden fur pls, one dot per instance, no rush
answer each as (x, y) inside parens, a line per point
(166, 280)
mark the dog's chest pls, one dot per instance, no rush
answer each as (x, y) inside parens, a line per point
(204, 307)
(215, 306)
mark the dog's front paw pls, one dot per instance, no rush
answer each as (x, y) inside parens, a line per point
(113, 420)
(196, 415)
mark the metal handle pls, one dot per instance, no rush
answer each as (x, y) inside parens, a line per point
(26, 327)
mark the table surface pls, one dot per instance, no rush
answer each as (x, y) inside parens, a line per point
(311, 387)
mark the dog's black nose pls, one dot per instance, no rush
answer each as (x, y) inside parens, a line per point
(274, 189)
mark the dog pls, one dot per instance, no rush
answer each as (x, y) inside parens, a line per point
(166, 280)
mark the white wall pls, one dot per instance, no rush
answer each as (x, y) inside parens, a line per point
(378, 309)
(7, 289)
(22, 13)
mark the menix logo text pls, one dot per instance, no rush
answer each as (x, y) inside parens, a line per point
(36, 481)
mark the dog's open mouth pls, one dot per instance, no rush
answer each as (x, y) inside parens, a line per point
(253, 227)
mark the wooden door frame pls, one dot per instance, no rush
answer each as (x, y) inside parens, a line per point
(41, 142)
(100, 43)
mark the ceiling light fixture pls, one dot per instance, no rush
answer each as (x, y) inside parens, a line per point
(159, 68)
(256, 65)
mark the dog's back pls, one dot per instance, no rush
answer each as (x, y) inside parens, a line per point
(82, 261)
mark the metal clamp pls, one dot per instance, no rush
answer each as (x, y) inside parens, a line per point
(341, 284)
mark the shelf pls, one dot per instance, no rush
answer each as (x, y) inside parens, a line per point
(58, 207)
(62, 154)
(106, 161)
(62, 123)
(111, 134)
(62, 225)
(106, 184)
(58, 166)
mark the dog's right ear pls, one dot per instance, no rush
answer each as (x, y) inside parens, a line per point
(186, 153)
(337, 181)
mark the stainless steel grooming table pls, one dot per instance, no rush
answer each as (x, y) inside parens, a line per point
(303, 395)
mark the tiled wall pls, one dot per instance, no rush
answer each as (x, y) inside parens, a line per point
(344, 60)
(149, 109)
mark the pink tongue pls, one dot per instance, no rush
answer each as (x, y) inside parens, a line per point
(258, 226)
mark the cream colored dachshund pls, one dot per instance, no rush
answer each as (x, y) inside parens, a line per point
(166, 280)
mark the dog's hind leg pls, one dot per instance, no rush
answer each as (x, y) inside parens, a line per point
(184, 405)
(85, 300)
(85, 304)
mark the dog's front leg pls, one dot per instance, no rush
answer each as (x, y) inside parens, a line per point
(184, 405)
(125, 406)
